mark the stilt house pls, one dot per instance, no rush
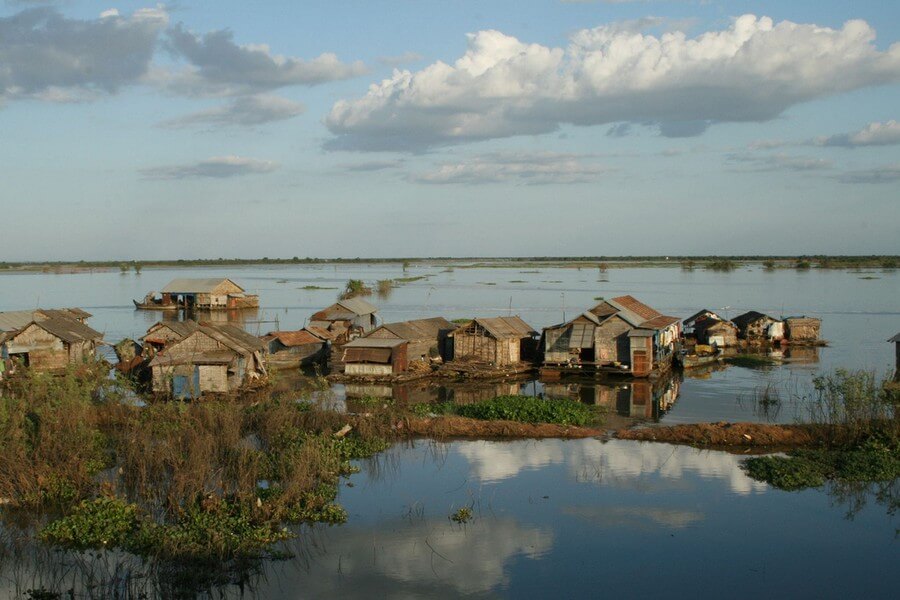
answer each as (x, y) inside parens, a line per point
(501, 341)
(207, 294)
(298, 348)
(802, 330)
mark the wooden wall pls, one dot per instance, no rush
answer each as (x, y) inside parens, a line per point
(611, 341)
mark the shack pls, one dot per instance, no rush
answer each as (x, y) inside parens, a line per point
(714, 331)
(617, 335)
(375, 357)
(214, 358)
(500, 341)
(427, 338)
(200, 294)
(755, 326)
(690, 324)
(289, 349)
(47, 339)
(802, 330)
(347, 319)
(163, 333)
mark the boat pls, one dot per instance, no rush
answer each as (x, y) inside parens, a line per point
(150, 302)
(692, 361)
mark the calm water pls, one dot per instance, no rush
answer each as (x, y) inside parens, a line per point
(553, 518)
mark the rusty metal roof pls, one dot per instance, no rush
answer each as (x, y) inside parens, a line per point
(322, 333)
(368, 355)
(636, 306)
(367, 342)
(659, 322)
(419, 329)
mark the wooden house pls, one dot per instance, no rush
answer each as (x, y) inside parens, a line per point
(755, 326)
(714, 331)
(346, 319)
(689, 325)
(802, 330)
(621, 334)
(214, 358)
(500, 341)
(200, 294)
(427, 338)
(288, 349)
(163, 333)
(47, 339)
(375, 357)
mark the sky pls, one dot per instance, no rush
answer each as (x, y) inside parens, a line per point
(138, 131)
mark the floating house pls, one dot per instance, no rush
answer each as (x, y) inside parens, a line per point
(500, 341)
(162, 334)
(802, 330)
(716, 332)
(199, 294)
(618, 335)
(426, 338)
(214, 358)
(47, 339)
(690, 324)
(346, 319)
(755, 326)
(288, 349)
(375, 357)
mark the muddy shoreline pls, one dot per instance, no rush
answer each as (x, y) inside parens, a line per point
(735, 435)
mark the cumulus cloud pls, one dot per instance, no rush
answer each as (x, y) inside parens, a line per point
(47, 56)
(218, 167)
(780, 162)
(883, 174)
(750, 72)
(244, 111)
(534, 169)
(219, 66)
(873, 134)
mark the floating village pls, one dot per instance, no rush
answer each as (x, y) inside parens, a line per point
(186, 357)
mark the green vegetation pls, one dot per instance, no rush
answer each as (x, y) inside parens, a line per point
(384, 287)
(462, 515)
(524, 409)
(410, 279)
(722, 265)
(688, 265)
(316, 287)
(354, 288)
(769, 265)
(802, 264)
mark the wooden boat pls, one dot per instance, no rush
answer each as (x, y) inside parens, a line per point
(692, 361)
(151, 303)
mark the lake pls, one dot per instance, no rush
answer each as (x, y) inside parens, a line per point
(576, 518)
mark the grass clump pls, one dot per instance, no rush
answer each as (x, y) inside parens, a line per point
(354, 288)
(721, 265)
(462, 516)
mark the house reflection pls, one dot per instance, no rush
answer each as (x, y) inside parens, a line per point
(639, 399)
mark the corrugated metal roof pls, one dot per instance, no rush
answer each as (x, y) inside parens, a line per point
(14, 320)
(69, 330)
(237, 335)
(217, 357)
(749, 317)
(374, 343)
(629, 317)
(196, 286)
(700, 313)
(659, 322)
(502, 327)
(321, 333)
(367, 355)
(419, 329)
(358, 306)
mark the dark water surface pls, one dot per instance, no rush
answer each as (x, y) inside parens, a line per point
(556, 518)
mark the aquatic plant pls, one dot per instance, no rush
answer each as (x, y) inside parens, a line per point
(354, 288)
(462, 515)
(530, 409)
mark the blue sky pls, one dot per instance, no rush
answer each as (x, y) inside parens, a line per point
(208, 129)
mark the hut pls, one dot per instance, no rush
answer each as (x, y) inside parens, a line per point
(802, 330)
(500, 341)
(47, 339)
(690, 324)
(214, 358)
(288, 349)
(427, 338)
(346, 318)
(375, 357)
(200, 294)
(755, 326)
(163, 333)
(714, 331)
(621, 333)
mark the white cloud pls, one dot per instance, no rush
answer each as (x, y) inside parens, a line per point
(542, 168)
(883, 174)
(47, 56)
(218, 167)
(222, 67)
(244, 111)
(780, 162)
(873, 134)
(501, 86)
